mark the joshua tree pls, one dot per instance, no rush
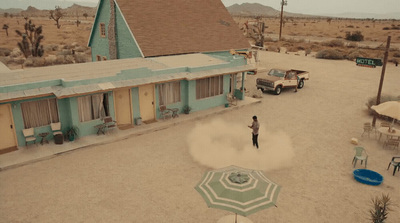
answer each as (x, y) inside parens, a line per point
(380, 208)
(85, 15)
(56, 15)
(5, 27)
(6, 14)
(31, 38)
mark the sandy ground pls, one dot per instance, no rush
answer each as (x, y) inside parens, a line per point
(304, 146)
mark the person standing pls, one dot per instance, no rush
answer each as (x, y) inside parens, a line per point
(298, 81)
(255, 126)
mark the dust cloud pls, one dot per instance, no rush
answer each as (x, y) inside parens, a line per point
(218, 144)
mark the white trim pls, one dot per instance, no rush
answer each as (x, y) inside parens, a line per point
(130, 31)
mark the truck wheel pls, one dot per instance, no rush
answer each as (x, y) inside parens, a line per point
(301, 84)
(278, 90)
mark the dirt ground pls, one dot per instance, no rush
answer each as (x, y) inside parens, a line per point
(304, 146)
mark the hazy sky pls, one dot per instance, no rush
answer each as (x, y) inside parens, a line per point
(297, 6)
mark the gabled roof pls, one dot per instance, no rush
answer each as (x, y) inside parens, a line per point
(171, 27)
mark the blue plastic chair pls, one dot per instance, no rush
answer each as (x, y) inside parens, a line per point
(361, 154)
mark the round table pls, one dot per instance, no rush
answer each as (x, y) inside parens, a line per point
(43, 135)
(385, 131)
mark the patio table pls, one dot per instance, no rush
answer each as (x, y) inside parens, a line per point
(385, 131)
(101, 128)
(43, 135)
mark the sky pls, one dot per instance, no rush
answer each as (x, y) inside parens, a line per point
(314, 7)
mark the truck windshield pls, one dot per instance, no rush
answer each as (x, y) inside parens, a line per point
(276, 73)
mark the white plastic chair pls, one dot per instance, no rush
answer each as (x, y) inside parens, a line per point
(29, 135)
(56, 128)
(361, 154)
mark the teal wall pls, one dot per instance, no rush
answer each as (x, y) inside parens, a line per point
(126, 46)
(63, 112)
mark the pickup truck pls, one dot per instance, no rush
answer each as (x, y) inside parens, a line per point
(277, 79)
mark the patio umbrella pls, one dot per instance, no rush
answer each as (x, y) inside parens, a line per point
(239, 190)
(389, 108)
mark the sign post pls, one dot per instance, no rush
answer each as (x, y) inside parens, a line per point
(385, 58)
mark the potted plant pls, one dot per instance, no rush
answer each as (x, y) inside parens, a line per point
(187, 109)
(72, 133)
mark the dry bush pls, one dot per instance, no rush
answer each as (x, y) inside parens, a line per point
(352, 55)
(273, 48)
(333, 43)
(352, 45)
(81, 58)
(396, 54)
(4, 52)
(50, 47)
(333, 54)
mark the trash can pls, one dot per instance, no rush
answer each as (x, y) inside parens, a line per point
(59, 139)
(138, 121)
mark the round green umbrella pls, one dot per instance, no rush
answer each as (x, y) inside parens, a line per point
(239, 190)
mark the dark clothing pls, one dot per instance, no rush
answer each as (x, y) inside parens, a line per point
(255, 140)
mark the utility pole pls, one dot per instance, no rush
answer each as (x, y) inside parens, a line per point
(284, 2)
(385, 58)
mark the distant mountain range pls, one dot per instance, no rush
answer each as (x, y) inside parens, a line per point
(256, 9)
(70, 11)
(245, 9)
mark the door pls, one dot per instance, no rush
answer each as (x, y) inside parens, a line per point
(146, 102)
(7, 132)
(123, 107)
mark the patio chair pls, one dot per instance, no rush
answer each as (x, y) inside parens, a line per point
(56, 128)
(367, 129)
(396, 164)
(231, 99)
(29, 135)
(109, 122)
(361, 154)
(392, 142)
(165, 112)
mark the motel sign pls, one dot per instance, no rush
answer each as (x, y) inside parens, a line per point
(368, 62)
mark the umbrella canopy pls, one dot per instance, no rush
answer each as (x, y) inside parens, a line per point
(389, 108)
(238, 190)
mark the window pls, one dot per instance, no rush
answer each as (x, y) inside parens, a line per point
(39, 113)
(208, 87)
(102, 30)
(104, 58)
(98, 58)
(169, 93)
(93, 107)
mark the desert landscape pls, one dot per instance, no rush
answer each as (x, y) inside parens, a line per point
(299, 34)
(305, 141)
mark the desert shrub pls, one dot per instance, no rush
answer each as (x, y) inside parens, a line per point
(269, 39)
(80, 58)
(60, 59)
(65, 52)
(333, 54)
(352, 45)
(6, 60)
(4, 52)
(80, 49)
(15, 53)
(396, 54)
(301, 48)
(355, 36)
(333, 43)
(308, 51)
(384, 98)
(66, 47)
(35, 62)
(51, 47)
(291, 49)
(356, 53)
(69, 59)
(273, 48)
(350, 26)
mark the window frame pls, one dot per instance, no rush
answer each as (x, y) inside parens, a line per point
(29, 123)
(106, 107)
(102, 29)
(164, 87)
(209, 87)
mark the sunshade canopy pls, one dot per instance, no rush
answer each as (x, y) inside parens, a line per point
(238, 190)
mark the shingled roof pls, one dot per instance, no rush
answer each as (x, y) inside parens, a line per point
(168, 27)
